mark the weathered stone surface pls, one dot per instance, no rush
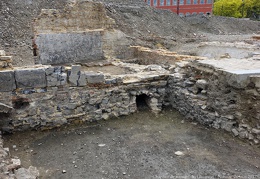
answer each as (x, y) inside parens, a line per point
(77, 16)
(235, 132)
(256, 80)
(30, 78)
(93, 77)
(76, 77)
(7, 81)
(2, 53)
(202, 84)
(255, 131)
(56, 76)
(66, 48)
(31, 173)
(5, 108)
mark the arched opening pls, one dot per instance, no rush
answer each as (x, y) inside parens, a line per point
(141, 102)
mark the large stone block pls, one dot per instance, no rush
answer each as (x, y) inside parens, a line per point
(240, 78)
(56, 76)
(30, 78)
(7, 81)
(93, 77)
(76, 77)
(69, 48)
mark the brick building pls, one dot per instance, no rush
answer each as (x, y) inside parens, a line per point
(183, 7)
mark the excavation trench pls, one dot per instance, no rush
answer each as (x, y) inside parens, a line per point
(141, 145)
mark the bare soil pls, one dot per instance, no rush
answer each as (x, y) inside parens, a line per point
(141, 145)
(147, 26)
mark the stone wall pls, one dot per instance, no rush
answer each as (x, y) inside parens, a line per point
(217, 98)
(77, 16)
(80, 33)
(45, 96)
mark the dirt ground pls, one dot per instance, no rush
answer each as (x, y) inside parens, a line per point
(147, 26)
(141, 145)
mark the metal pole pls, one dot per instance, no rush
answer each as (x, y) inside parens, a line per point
(178, 7)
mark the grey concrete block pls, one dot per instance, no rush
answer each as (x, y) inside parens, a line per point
(93, 77)
(68, 48)
(7, 81)
(30, 78)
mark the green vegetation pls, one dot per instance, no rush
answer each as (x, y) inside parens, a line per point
(237, 8)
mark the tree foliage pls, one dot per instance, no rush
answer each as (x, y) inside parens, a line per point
(237, 8)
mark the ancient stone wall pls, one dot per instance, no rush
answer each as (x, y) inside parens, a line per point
(217, 98)
(80, 33)
(46, 96)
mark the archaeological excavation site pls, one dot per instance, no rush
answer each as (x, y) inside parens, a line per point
(119, 89)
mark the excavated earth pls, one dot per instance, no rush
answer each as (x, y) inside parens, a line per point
(141, 145)
(144, 25)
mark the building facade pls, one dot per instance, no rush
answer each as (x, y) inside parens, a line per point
(183, 7)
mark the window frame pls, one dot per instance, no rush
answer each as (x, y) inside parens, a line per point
(155, 2)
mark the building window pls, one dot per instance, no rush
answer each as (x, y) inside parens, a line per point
(168, 2)
(149, 2)
(161, 2)
(194, 13)
(154, 2)
(195, 1)
(174, 2)
(181, 15)
(187, 14)
(209, 1)
(202, 2)
(181, 2)
(187, 1)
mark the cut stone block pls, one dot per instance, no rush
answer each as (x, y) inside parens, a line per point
(7, 81)
(240, 78)
(2, 53)
(93, 77)
(76, 77)
(30, 78)
(56, 76)
(69, 48)
(6, 58)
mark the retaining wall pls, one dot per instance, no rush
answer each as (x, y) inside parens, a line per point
(47, 97)
(217, 98)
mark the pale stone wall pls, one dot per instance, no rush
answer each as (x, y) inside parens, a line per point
(82, 32)
(76, 17)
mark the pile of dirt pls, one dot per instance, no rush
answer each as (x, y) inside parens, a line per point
(146, 26)
(16, 18)
(222, 25)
